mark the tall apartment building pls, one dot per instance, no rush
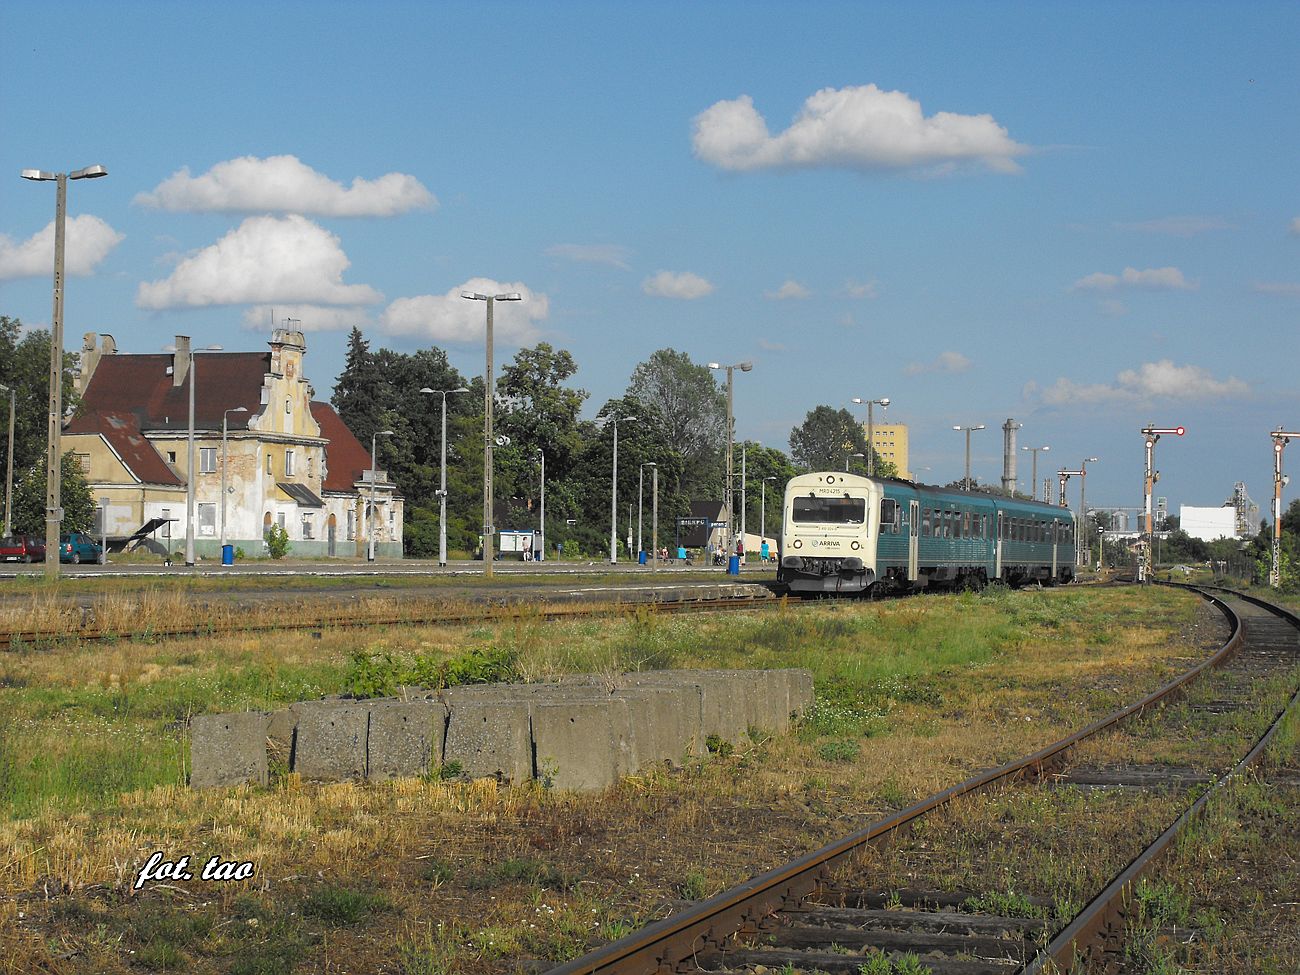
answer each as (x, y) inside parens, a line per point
(890, 441)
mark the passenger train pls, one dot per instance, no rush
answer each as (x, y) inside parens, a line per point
(845, 534)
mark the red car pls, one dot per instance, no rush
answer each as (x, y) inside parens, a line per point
(22, 548)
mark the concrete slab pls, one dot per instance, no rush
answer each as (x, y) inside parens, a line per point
(578, 744)
(665, 723)
(490, 737)
(281, 733)
(331, 740)
(228, 749)
(406, 738)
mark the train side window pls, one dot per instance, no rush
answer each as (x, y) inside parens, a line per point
(965, 525)
(925, 522)
(889, 515)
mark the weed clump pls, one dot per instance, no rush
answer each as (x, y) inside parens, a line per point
(381, 674)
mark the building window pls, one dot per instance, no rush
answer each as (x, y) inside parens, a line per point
(288, 463)
(306, 525)
(352, 525)
(279, 519)
(207, 460)
(268, 465)
(167, 522)
(84, 461)
(288, 407)
(207, 519)
(171, 456)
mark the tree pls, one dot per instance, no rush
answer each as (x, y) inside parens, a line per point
(694, 409)
(762, 462)
(825, 439)
(74, 495)
(25, 368)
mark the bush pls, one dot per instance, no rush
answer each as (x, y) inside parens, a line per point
(379, 674)
(277, 542)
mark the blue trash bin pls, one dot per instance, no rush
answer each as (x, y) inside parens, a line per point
(733, 565)
(641, 558)
(227, 555)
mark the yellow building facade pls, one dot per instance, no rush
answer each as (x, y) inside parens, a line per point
(890, 442)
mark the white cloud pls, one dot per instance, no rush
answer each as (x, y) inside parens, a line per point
(613, 255)
(676, 284)
(1114, 308)
(451, 318)
(263, 260)
(946, 362)
(858, 127)
(309, 318)
(1286, 288)
(861, 289)
(1177, 226)
(285, 184)
(1150, 381)
(1155, 278)
(87, 241)
(791, 289)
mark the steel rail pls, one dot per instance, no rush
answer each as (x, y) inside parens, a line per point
(548, 611)
(664, 945)
(1099, 929)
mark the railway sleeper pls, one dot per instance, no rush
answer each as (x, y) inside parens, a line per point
(840, 963)
(1133, 777)
(937, 922)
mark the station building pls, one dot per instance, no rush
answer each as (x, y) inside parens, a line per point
(288, 460)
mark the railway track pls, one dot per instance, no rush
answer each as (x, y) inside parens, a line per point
(683, 602)
(821, 914)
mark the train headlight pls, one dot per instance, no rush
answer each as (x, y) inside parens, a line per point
(855, 546)
(797, 543)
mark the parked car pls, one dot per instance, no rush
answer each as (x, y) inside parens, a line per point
(22, 548)
(79, 547)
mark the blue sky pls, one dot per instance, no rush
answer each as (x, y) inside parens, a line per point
(1083, 216)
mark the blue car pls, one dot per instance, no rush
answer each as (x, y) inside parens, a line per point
(79, 547)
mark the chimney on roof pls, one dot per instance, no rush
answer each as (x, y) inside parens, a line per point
(93, 347)
(181, 360)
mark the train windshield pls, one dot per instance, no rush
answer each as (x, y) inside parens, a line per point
(830, 511)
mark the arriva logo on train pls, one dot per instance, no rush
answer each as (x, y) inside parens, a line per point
(826, 543)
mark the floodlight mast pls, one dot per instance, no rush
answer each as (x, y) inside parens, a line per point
(1152, 434)
(1280, 439)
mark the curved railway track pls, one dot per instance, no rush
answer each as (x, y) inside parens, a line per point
(806, 915)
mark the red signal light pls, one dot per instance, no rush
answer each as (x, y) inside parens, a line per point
(1181, 431)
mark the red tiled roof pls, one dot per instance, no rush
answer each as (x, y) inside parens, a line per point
(122, 432)
(141, 386)
(345, 458)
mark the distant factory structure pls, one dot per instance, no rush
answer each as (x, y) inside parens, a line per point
(1234, 519)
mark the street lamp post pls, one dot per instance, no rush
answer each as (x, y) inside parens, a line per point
(9, 469)
(1084, 545)
(442, 482)
(731, 434)
(225, 416)
(613, 494)
(1033, 482)
(374, 474)
(1280, 439)
(871, 429)
(191, 476)
(654, 515)
(847, 458)
(54, 456)
(968, 430)
(640, 492)
(488, 527)
(540, 555)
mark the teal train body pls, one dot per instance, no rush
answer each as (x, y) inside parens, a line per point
(842, 533)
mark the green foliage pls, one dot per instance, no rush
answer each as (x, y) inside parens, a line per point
(839, 750)
(380, 674)
(1006, 903)
(25, 368)
(75, 497)
(341, 905)
(826, 438)
(277, 542)
(523, 870)
(717, 745)
(694, 886)
(694, 410)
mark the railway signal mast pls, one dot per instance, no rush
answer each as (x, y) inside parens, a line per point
(1152, 434)
(1280, 439)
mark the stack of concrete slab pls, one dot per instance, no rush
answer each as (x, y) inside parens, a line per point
(582, 732)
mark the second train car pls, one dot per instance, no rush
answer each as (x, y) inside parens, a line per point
(845, 534)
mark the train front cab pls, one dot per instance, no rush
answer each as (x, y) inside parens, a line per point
(830, 524)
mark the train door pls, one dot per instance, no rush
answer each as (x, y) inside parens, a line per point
(997, 558)
(913, 539)
(1056, 536)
